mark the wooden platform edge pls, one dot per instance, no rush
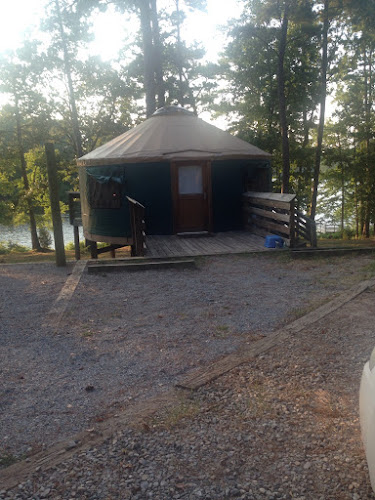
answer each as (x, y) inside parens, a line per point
(141, 266)
(60, 305)
(296, 253)
(201, 376)
(17, 473)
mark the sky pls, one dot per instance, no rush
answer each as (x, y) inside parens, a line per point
(20, 17)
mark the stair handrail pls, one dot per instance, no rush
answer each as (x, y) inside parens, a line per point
(137, 220)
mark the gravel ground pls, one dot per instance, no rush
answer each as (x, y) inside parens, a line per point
(284, 426)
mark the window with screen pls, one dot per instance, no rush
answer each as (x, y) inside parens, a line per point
(190, 180)
(104, 192)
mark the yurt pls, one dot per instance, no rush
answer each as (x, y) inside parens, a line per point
(188, 174)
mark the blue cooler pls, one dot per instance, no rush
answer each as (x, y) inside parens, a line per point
(274, 241)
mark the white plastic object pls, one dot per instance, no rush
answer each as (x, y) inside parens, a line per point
(367, 414)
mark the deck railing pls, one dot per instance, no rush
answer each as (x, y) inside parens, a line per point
(266, 213)
(305, 229)
(275, 213)
(137, 219)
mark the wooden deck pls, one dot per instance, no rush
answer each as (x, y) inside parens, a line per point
(220, 243)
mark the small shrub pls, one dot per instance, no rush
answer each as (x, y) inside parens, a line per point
(348, 234)
(82, 246)
(331, 236)
(45, 238)
(4, 248)
(7, 459)
(15, 247)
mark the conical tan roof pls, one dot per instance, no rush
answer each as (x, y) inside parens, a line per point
(171, 133)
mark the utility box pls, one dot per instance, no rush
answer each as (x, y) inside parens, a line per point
(274, 241)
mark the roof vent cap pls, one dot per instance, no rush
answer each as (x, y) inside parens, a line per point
(172, 110)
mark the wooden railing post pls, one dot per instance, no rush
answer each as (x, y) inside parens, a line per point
(313, 238)
(137, 214)
(292, 224)
(77, 250)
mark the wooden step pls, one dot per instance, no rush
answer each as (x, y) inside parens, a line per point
(333, 251)
(194, 234)
(139, 265)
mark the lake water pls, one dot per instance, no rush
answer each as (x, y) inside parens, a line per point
(21, 234)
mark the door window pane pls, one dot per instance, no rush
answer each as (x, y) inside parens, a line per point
(190, 180)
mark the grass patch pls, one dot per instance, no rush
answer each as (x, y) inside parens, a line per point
(16, 256)
(31, 256)
(8, 459)
(222, 331)
(7, 248)
(170, 417)
(370, 270)
(87, 334)
(299, 312)
(345, 243)
(257, 403)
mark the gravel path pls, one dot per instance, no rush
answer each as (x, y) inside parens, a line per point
(284, 426)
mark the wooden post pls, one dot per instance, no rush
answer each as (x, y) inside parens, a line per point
(313, 238)
(93, 249)
(77, 250)
(137, 214)
(55, 205)
(292, 225)
(71, 209)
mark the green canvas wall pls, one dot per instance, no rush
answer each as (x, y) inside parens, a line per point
(150, 184)
(228, 184)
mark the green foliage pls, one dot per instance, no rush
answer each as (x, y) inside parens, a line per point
(331, 236)
(9, 247)
(16, 248)
(4, 248)
(251, 62)
(347, 234)
(45, 237)
(82, 246)
(243, 86)
(7, 459)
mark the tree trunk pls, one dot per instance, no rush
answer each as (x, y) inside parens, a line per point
(282, 101)
(68, 74)
(158, 58)
(342, 184)
(356, 212)
(53, 184)
(323, 94)
(369, 168)
(179, 57)
(148, 56)
(361, 215)
(33, 231)
(192, 99)
(306, 129)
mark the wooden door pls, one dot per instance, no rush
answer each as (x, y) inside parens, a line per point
(191, 196)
